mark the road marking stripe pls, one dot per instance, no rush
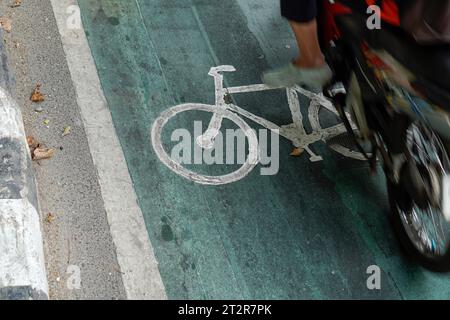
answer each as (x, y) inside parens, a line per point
(140, 273)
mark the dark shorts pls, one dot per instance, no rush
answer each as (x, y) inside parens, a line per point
(299, 10)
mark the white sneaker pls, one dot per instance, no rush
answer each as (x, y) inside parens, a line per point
(291, 75)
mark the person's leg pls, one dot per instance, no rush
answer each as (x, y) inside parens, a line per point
(310, 67)
(308, 42)
(302, 15)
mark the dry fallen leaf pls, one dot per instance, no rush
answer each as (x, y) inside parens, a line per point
(297, 152)
(66, 131)
(32, 144)
(37, 96)
(50, 218)
(39, 151)
(17, 3)
(42, 153)
(6, 23)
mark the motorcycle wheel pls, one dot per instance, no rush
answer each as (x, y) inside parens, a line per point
(417, 218)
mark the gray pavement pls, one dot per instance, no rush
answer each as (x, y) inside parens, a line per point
(68, 188)
(22, 267)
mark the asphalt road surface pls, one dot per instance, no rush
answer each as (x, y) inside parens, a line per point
(310, 230)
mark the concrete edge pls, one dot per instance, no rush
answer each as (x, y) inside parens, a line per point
(22, 267)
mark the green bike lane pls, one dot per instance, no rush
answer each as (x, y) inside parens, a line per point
(310, 231)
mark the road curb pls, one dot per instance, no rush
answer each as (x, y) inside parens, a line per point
(22, 267)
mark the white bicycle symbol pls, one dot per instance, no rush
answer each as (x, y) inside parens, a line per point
(223, 109)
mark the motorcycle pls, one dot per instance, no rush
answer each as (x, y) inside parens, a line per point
(398, 95)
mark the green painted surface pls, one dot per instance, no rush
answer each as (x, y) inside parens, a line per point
(310, 231)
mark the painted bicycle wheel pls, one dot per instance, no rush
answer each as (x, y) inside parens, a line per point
(335, 136)
(178, 168)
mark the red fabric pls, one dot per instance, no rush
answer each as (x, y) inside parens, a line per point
(330, 30)
(389, 11)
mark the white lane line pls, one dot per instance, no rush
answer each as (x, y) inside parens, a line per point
(140, 273)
